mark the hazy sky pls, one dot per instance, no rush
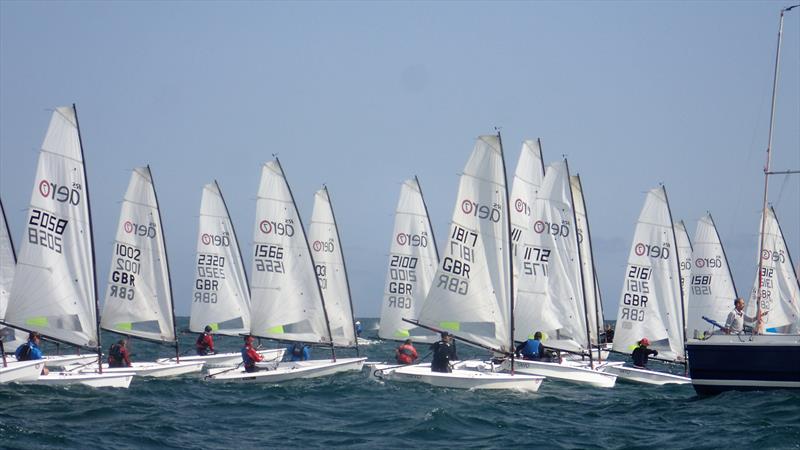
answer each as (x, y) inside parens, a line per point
(361, 95)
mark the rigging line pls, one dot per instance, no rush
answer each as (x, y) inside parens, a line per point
(783, 188)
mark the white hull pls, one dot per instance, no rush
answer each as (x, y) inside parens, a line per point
(21, 371)
(227, 359)
(365, 341)
(572, 373)
(115, 380)
(58, 361)
(147, 369)
(286, 371)
(479, 376)
(603, 354)
(645, 376)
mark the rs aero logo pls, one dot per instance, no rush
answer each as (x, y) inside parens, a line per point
(653, 251)
(471, 208)
(278, 228)
(713, 263)
(412, 240)
(140, 229)
(555, 229)
(522, 207)
(61, 193)
(323, 246)
(216, 240)
(772, 255)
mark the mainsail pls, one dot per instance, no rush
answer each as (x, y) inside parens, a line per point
(221, 295)
(711, 287)
(286, 302)
(413, 259)
(780, 291)
(685, 260)
(594, 312)
(471, 294)
(651, 293)
(138, 299)
(550, 295)
(527, 181)
(8, 260)
(54, 284)
(323, 236)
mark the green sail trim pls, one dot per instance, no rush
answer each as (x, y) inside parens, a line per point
(402, 334)
(275, 330)
(453, 326)
(127, 326)
(37, 321)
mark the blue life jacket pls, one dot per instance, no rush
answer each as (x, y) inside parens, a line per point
(28, 352)
(248, 361)
(531, 349)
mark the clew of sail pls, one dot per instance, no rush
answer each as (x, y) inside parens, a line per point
(221, 295)
(711, 290)
(323, 237)
(780, 291)
(471, 294)
(651, 293)
(286, 303)
(412, 264)
(53, 290)
(550, 293)
(138, 300)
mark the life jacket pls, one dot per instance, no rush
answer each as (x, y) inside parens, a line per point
(201, 343)
(23, 353)
(405, 354)
(115, 354)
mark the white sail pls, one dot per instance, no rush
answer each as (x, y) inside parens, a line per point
(221, 294)
(138, 300)
(54, 286)
(651, 293)
(780, 292)
(323, 236)
(550, 293)
(685, 259)
(471, 292)
(527, 181)
(286, 302)
(7, 262)
(594, 313)
(412, 264)
(711, 288)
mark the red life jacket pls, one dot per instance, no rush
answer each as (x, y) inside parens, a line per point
(406, 354)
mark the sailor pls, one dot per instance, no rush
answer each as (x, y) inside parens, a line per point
(30, 350)
(299, 352)
(444, 352)
(641, 353)
(249, 355)
(205, 342)
(359, 328)
(406, 353)
(118, 355)
(532, 349)
(736, 318)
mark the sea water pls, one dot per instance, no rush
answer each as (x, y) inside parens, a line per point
(349, 410)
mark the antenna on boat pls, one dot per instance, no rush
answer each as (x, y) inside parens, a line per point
(767, 171)
(91, 233)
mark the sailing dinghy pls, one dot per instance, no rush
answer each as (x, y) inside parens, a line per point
(551, 294)
(139, 293)
(652, 299)
(287, 301)
(472, 293)
(221, 296)
(55, 290)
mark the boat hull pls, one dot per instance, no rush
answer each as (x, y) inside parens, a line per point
(21, 371)
(573, 373)
(113, 380)
(287, 371)
(477, 377)
(644, 376)
(228, 359)
(148, 369)
(59, 361)
(731, 362)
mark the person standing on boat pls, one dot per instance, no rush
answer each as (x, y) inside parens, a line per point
(299, 352)
(118, 355)
(359, 328)
(30, 350)
(532, 349)
(406, 353)
(641, 353)
(736, 318)
(444, 351)
(205, 342)
(249, 355)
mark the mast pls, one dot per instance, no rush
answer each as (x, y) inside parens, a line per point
(767, 166)
(344, 266)
(308, 248)
(598, 318)
(169, 275)
(233, 230)
(580, 270)
(680, 284)
(428, 216)
(510, 253)
(91, 232)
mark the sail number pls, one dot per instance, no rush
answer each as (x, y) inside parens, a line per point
(701, 285)
(269, 258)
(535, 260)
(46, 229)
(127, 265)
(634, 299)
(456, 267)
(402, 279)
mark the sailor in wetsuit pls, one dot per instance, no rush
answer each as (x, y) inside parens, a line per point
(641, 354)
(444, 352)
